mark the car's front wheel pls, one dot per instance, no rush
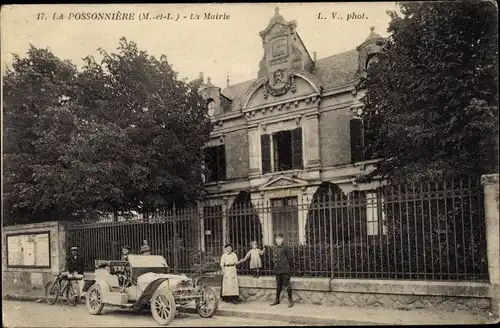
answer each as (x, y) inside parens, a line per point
(94, 300)
(163, 306)
(208, 304)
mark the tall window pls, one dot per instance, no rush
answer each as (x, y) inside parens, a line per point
(215, 162)
(285, 218)
(282, 151)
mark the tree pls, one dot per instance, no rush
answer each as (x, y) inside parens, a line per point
(431, 102)
(37, 123)
(163, 120)
(124, 134)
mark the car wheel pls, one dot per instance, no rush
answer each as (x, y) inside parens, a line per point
(163, 307)
(208, 304)
(94, 300)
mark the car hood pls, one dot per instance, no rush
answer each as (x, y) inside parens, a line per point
(145, 279)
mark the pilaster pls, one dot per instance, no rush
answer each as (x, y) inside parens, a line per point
(491, 210)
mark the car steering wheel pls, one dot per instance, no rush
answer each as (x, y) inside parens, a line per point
(127, 278)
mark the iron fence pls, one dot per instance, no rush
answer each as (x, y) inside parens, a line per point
(433, 231)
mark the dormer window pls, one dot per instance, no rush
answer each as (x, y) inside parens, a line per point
(371, 60)
(211, 107)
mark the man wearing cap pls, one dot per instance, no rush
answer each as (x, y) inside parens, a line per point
(283, 263)
(75, 262)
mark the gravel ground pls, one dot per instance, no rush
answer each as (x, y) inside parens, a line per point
(30, 314)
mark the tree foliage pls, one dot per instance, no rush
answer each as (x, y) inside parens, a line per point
(122, 134)
(431, 102)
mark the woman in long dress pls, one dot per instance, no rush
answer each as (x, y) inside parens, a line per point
(229, 290)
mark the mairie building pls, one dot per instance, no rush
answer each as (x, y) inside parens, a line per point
(295, 126)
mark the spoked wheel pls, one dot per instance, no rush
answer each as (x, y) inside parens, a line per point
(208, 304)
(93, 300)
(163, 307)
(52, 291)
(73, 294)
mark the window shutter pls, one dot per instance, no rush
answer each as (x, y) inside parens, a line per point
(356, 140)
(221, 163)
(274, 151)
(211, 164)
(297, 148)
(265, 148)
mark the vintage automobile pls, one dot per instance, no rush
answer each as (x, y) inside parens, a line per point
(144, 280)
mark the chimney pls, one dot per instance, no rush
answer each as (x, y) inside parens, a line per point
(314, 55)
(201, 76)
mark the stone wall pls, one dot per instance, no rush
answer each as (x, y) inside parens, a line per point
(236, 144)
(453, 296)
(27, 277)
(334, 131)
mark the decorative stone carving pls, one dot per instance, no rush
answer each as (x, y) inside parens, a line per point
(296, 54)
(281, 84)
(278, 30)
(489, 179)
(281, 183)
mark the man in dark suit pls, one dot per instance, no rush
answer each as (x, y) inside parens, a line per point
(283, 264)
(74, 262)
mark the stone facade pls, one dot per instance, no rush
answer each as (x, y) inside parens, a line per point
(236, 143)
(291, 91)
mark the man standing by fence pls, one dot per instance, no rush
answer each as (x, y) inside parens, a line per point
(283, 264)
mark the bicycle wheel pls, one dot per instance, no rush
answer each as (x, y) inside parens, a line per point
(73, 293)
(52, 290)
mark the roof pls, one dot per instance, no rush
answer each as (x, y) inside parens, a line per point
(333, 71)
(337, 70)
(236, 92)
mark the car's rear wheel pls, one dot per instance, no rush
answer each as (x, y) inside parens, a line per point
(163, 306)
(94, 300)
(208, 304)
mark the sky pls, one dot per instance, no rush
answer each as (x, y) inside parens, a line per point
(217, 48)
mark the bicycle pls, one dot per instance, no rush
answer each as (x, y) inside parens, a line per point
(71, 290)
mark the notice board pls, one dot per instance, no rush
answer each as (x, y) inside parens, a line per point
(28, 250)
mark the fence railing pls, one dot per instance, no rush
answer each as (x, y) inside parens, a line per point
(433, 231)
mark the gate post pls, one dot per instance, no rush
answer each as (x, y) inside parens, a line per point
(491, 199)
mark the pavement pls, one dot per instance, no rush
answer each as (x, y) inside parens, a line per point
(309, 314)
(30, 314)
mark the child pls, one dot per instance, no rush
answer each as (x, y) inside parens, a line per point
(255, 260)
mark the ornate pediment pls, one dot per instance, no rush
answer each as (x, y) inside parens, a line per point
(283, 182)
